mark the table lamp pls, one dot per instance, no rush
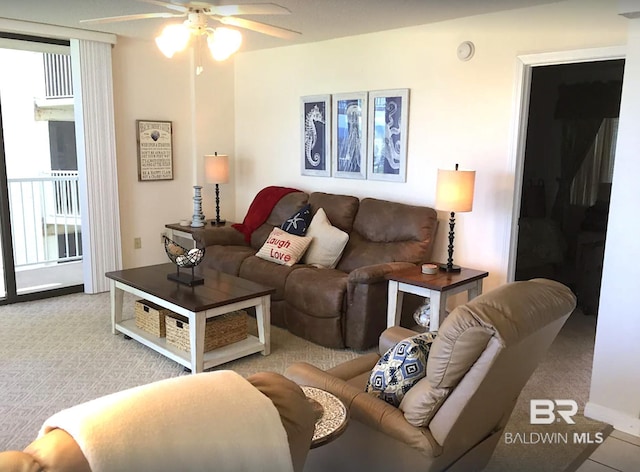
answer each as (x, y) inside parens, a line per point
(216, 168)
(454, 193)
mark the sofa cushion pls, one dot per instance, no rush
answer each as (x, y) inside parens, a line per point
(327, 242)
(283, 248)
(422, 401)
(285, 207)
(227, 259)
(298, 222)
(361, 252)
(267, 273)
(384, 221)
(318, 292)
(260, 209)
(386, 231)
(340, 209)
(400, 368)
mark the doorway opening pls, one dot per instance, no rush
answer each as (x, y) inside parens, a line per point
(567, 175)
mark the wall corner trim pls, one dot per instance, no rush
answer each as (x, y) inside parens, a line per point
(618, 419)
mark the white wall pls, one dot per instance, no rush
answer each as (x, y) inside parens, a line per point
(615, 390)
(460, 112)
(149, 86)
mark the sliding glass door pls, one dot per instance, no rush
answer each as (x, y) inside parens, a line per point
(40, 209)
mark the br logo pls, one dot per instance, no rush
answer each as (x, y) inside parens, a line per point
(545, 411)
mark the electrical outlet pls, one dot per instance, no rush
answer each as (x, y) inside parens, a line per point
(137, 243)
(163, 234)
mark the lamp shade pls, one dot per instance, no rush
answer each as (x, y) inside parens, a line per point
(224, 42)
(216, 168)
(454, 190)
(174, 38)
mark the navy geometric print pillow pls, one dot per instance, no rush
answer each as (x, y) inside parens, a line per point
(400, 368)
(298, 222)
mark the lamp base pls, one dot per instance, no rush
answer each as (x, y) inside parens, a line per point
(446, 268)
(218, 223)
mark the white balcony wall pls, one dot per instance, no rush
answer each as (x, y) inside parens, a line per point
(26, 141)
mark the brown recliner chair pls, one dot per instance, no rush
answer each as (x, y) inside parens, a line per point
(210, 421)
(452, 419)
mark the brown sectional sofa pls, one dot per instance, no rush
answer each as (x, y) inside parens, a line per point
(341, 307)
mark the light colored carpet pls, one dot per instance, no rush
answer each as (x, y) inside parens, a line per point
(56, 353)
(565, 373)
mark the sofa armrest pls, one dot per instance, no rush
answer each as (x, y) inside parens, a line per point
(355, 367)
(376, 273)
(219, 235)
(392, 336)
(16, 461)
(367, 300)
(295, 412)
(57, 450)
(307, 374)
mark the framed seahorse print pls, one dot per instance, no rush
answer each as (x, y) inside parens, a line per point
(349, 145)
(316, 135)
(388, 120)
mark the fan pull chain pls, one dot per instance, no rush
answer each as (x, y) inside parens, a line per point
(199, 67)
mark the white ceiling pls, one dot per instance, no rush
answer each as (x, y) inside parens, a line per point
(316, 19)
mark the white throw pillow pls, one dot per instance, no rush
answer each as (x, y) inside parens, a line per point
(283, 248)
(328, 242)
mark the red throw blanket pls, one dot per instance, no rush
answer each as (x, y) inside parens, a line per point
(260, 209)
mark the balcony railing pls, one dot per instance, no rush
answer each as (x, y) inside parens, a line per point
(45, 218)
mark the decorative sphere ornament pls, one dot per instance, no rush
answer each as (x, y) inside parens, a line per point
(422, 315)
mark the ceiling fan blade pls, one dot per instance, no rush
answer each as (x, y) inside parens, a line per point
(170, 6)
(141, 16)
(259, 27)
(249, 9)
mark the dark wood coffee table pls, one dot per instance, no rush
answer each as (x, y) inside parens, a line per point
(220, 294)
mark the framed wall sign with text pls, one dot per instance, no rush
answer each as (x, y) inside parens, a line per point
(155, 150)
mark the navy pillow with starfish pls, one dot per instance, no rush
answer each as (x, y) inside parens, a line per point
(298, 222)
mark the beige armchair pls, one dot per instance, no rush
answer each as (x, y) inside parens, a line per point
(483, 355)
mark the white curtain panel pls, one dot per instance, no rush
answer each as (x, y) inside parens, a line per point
(95, 142)
(597, 168)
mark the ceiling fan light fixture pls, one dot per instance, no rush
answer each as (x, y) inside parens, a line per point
(223, 42)
(174, 38)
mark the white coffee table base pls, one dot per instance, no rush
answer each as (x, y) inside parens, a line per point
(197, 360)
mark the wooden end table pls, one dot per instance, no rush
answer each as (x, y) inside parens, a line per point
(437, 287)
(183, 235)
(221, 293)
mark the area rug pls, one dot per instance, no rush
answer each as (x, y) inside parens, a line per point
(58, 352)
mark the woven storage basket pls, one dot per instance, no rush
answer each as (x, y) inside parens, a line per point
(151, 317)
(220, 330)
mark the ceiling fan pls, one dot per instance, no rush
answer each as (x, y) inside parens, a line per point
(221, 41)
